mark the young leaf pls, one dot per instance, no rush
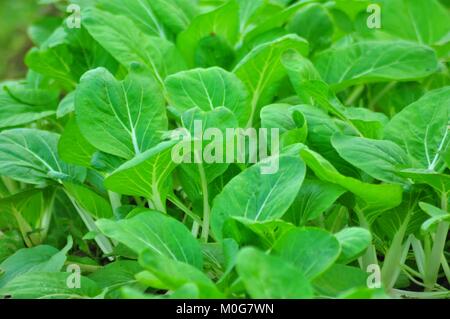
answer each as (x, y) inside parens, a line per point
(354, 241)
(219, 26)
(409, 20)
(339, 279)
(208, 89)
(67, 105)
(436, 216)
(315, 196)
(375, 61)
(311, 250)
(261, 70)
(48, 285)
(270, 277)
(89, 200)
(176, 15)
(116, 274)
(257, 196)
(160, 234)
(374, 197)
(174, 274)
(140, 12)
(290, 121)
(127, 44)
(21, 105)
(423, 137)
(314, 24)
(35, 259)
(148, 175)
(30, 156)
(55, 62)
(379, 159)
(73, 147)
(440, 182)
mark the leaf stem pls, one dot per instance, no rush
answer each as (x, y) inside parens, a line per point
(115, 201)
(103, 242)
(206, 208)
(382, 93)
(177, 202)
(393, 259)
(434, 257)
(356, 93)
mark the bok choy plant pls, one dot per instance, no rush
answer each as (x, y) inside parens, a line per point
(121, 175)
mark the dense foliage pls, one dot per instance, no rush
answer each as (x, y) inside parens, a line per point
(358, 207)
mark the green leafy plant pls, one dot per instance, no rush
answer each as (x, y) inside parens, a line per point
(93, 203)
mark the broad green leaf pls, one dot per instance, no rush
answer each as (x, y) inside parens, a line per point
(374, 197)
(127, 44)
(37, 259)
(340, 279)
(440, 182)
(73, 147)
(218, 27)
(354, 241)
(369, 123)
(21, 103)
(274, 18)
(22, 211)
(116, 274)
(375, 61)
(140, 12)
(56, 62)
(379, 159)
(311, 250)
(67, 105)
(257, 196)
(67, 54)
(261, 70)
(148, 174)
(15, 113)
(290, 121)
(270, 277)
(10, 242)
(422, 129)
(48, 285)
(89, 200)
(248, 10)
(176, 15)
(309, 85)
(267, 231)
(424, 21)
(208, 89)
(24, 92)
(212, 152)
(365, 293)
(161, 234)
(314, 24)
(174, 274)
(30, 156)
(104, 162)
(315, 196)
(123, 118)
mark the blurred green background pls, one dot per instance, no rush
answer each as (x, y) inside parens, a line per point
(15, 17)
